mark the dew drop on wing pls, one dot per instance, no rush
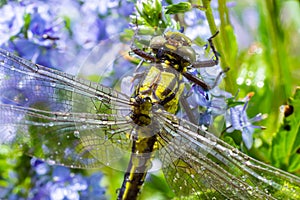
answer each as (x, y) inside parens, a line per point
(76, 134)
(13, 96)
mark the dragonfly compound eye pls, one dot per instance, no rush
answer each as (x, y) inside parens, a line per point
(157, 42)
(178, 38)
(188, 53)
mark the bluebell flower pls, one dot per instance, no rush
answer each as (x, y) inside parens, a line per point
(44, 27)
(126, 8)
(237, 119)
(58, 182)
(209, 103)
(11, 21)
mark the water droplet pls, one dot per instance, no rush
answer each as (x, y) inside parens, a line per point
(53, 84)
(76, 134)
(58, 143)
(244, 178)
(248, 163)
(266, 191)
(250, 190)
(232, 153)
(51, 123)
(50, 162)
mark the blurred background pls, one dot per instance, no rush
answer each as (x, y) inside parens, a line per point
(261, 45)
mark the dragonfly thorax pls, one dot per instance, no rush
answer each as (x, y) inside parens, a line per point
(141, 112)
(163, 85)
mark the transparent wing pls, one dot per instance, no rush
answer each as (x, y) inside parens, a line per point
(198, 163)
(24, 83)
(73, 139)
(45, 109)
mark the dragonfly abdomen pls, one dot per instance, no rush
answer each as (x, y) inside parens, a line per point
(140, 163)
(160, 88)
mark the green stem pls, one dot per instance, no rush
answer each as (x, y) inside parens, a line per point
(213, 29)
(221, 40)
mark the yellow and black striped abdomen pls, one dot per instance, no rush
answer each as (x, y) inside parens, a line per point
(161, 85)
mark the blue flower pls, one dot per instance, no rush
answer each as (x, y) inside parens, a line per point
(11, 21)
(58, 182)
(211, 103)
(44, 28)
(237, 119)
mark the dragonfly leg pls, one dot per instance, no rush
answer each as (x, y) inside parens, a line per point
(196, 80)
(212, 62)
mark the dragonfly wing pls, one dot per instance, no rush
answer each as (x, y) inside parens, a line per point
(35, 100)
(72, 139)
(30, 85)
(198, 163)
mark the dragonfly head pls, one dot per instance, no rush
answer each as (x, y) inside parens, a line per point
(174, 47)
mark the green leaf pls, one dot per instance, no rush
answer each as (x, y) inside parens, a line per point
(285, 152)
(2, 3)
(150, 14)
(178, 8)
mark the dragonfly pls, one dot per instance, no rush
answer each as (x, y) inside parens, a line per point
(67, 120)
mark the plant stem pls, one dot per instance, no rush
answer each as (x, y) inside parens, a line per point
(213, 29)
(220, 41)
